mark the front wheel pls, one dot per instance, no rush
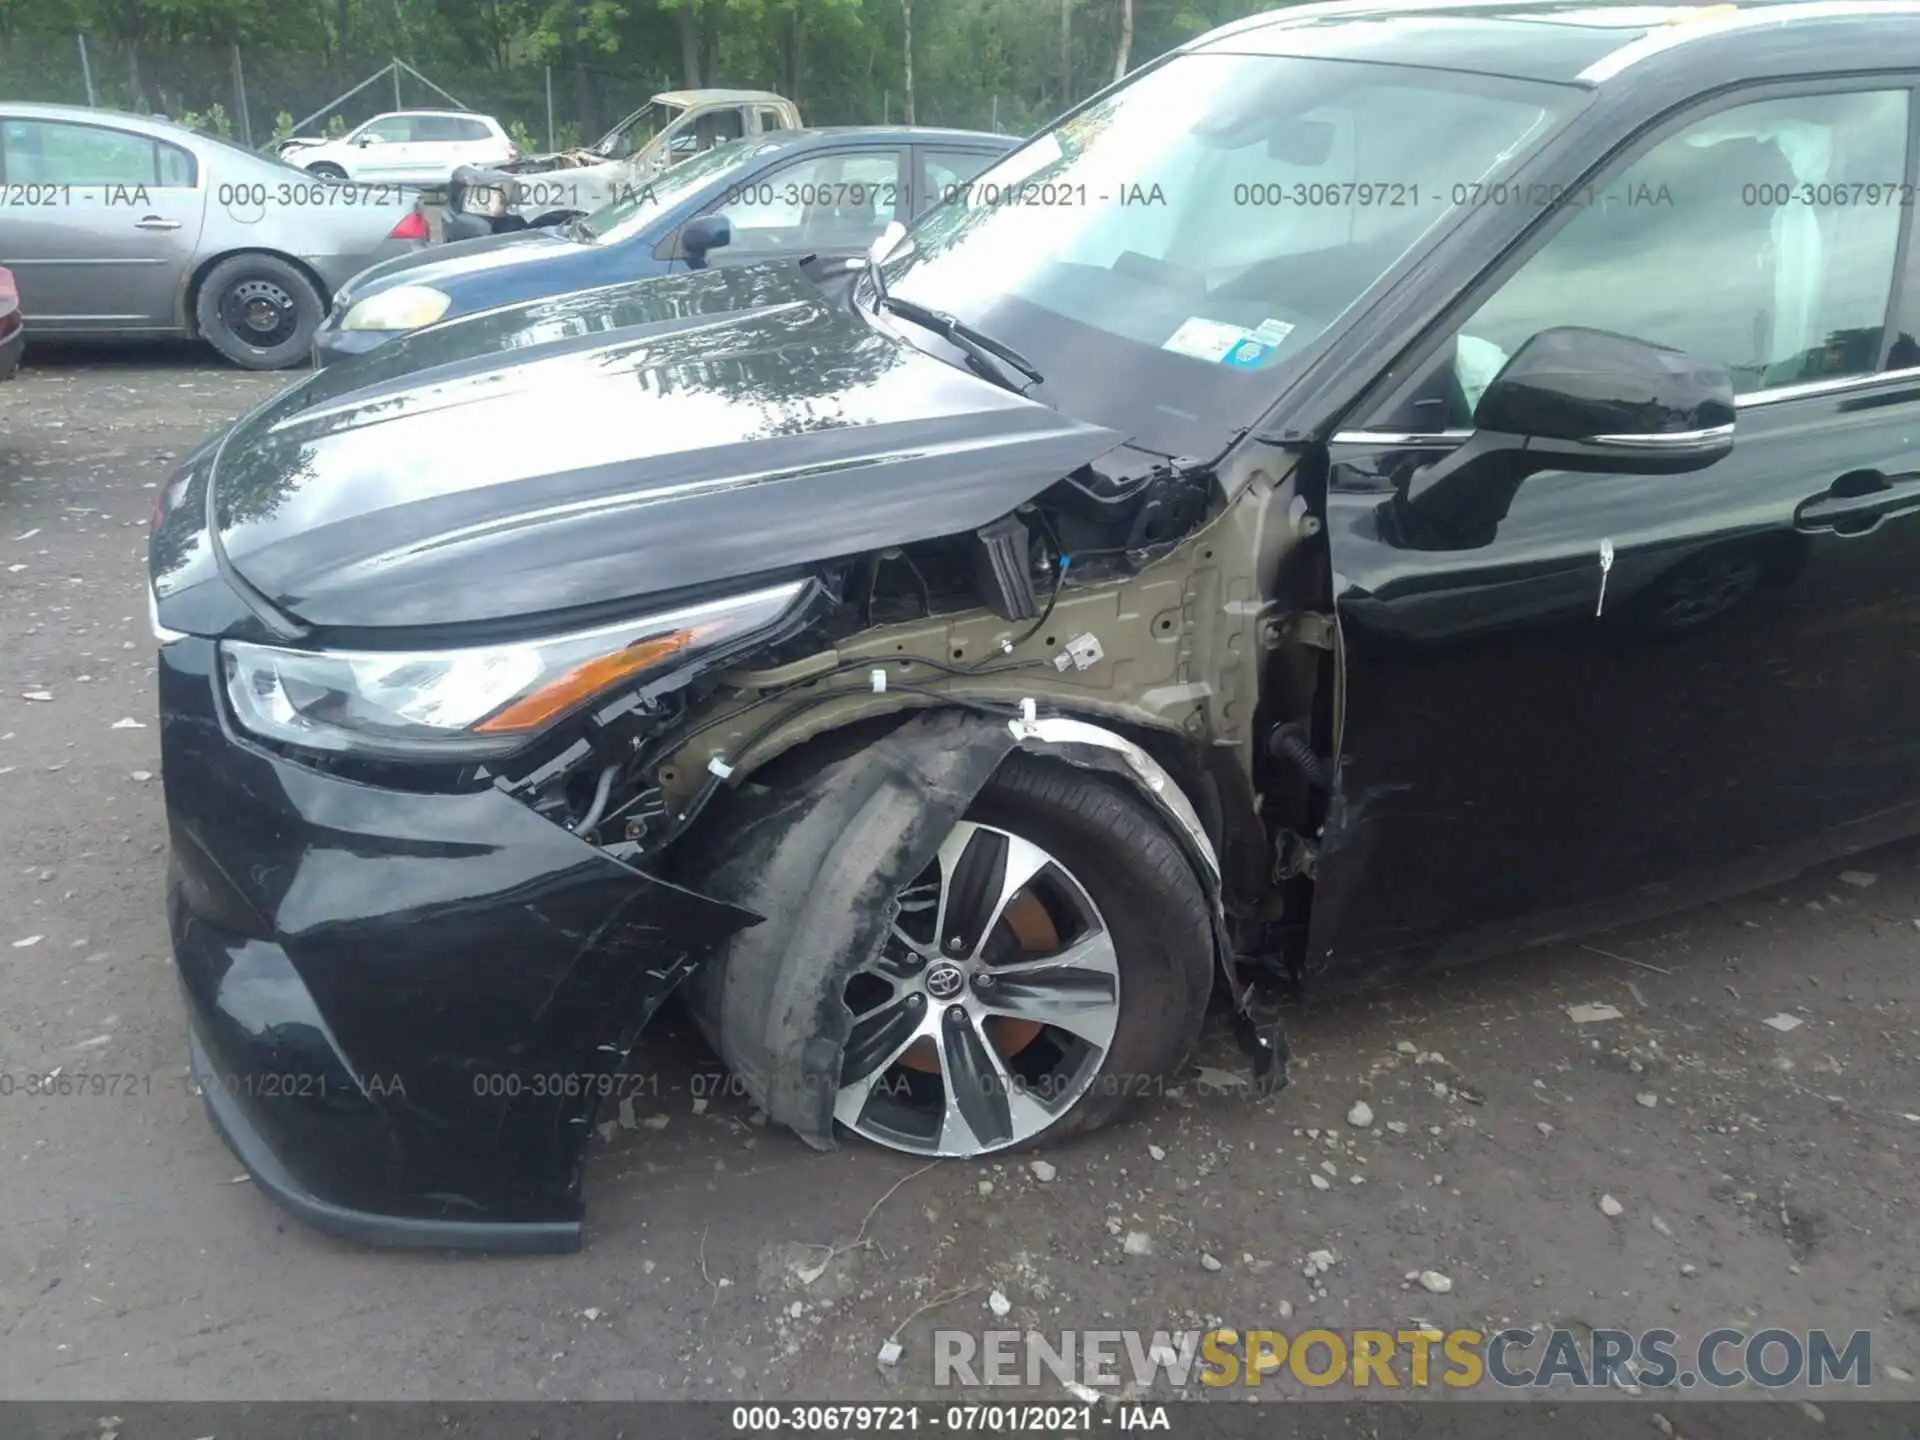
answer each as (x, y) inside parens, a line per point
(259, 311)
(327, 170)
(1051, 966)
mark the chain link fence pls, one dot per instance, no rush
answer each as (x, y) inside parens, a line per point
(252, 96)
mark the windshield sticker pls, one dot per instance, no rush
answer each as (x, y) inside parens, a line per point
(1249, 354)
(1272, 332)
(1233, 345)
(1205, 339)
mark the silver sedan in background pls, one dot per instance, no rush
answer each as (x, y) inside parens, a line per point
(117, 226)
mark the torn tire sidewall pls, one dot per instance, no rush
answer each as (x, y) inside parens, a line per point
(825, 864)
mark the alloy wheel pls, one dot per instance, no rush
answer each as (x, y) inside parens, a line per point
(990, 1007)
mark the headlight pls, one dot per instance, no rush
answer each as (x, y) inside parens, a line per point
(406, 307)
(482, 700)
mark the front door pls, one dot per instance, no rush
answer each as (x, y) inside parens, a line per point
(1583, 697)
(100, 225)
(698, 131)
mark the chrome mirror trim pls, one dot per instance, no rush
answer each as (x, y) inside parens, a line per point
(1401, 437)
(1673, 440)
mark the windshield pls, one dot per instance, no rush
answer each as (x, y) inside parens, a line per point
(642, 201)
(634, 135)
(1157, 251)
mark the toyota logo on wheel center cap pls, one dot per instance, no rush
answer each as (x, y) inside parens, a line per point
(944, 981)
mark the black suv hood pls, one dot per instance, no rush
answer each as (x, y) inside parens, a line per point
(605, 446)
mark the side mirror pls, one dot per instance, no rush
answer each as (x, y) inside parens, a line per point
(1569, 399)
(704, 233)
(1592, 400)
(364, 140)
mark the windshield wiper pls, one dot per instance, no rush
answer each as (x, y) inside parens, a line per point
(990, 358)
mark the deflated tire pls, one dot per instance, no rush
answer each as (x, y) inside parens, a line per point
(1047, 968)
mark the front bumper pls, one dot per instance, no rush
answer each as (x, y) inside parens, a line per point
(331, 343)
(405, 1008)
(11, 350)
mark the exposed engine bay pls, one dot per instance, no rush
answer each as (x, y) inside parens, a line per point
(512, 196)
(1143, 607)
(891, 597)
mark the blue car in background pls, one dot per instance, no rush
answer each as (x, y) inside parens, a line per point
(822, 196)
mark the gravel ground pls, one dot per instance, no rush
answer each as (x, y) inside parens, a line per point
(1762, 1176)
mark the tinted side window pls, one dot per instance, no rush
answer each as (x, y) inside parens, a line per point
(472, 130)
(395, 129)
(176, 165)
(943, 171)
(840, 201)
(57, 153)
(1763, 237)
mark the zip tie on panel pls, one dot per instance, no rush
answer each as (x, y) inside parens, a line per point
(1029, 712)
(879, 681)
(720, 767)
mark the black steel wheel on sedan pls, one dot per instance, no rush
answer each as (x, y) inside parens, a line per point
(1349, 497)
(259, 311)
(120, 226)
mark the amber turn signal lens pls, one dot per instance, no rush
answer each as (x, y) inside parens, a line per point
(530, 712)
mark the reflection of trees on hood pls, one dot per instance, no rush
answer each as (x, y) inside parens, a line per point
(173, 544)
(252, 485)
(791, 365)
(774, 348)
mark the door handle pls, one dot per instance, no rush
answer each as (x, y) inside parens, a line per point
(1857, 502)
(155, 222)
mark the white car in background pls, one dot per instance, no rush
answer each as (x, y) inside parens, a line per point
(405, 147)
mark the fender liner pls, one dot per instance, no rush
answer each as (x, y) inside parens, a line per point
(823, 863)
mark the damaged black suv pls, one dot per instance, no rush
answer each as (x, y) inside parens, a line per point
(1374, 488)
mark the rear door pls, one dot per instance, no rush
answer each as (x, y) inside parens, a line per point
(99, 225)
(829, 204)
(439, 145)
(480, 143)
(385, 149)
(1592, 696)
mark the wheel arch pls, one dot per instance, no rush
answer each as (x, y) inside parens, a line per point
(197, 279)
(821, 844)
